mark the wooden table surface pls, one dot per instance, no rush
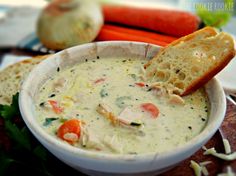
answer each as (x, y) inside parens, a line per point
(228, 128)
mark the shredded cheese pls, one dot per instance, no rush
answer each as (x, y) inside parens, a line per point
(200, 168)
(227, 146)
(228, 173)
(196, 168)
(204, 163)
(227, 157)
(204, 169)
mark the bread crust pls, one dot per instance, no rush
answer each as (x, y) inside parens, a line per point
(195, 45)
(209, 75)
(12, 76)
(209, 31)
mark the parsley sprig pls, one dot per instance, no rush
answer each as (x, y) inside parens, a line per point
(20, 151)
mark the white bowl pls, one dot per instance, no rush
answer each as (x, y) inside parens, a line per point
(94, 163)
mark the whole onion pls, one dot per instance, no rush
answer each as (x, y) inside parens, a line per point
(65, 23)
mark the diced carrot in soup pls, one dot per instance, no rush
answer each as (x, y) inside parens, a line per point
(70, 131)
(151, 108)
(140, 84)
(99, 80)
(55, 106)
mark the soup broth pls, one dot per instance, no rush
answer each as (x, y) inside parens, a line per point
(118, 112)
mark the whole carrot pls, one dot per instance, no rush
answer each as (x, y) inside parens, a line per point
(139, 32)
(108, 34)
(172, 22)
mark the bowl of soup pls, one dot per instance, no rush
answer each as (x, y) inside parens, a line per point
(91, 107)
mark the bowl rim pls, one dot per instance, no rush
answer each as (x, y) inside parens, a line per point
(37, 130)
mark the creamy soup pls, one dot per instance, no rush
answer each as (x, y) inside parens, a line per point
(104, 105)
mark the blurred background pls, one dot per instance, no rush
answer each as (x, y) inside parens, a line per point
(18, 18)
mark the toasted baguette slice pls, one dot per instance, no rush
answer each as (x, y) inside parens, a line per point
(189, 62)
(12, 77)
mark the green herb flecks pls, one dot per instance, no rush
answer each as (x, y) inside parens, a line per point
(103, 93)
(135, 124)
(48, 121)
(134, 76)
(121, 102)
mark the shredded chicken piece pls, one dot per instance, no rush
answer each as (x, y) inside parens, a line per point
(105, 111)
(125, 117)
(176, 99)
(90, 139)
(113, 144)
(59, 84)
(169, 91)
